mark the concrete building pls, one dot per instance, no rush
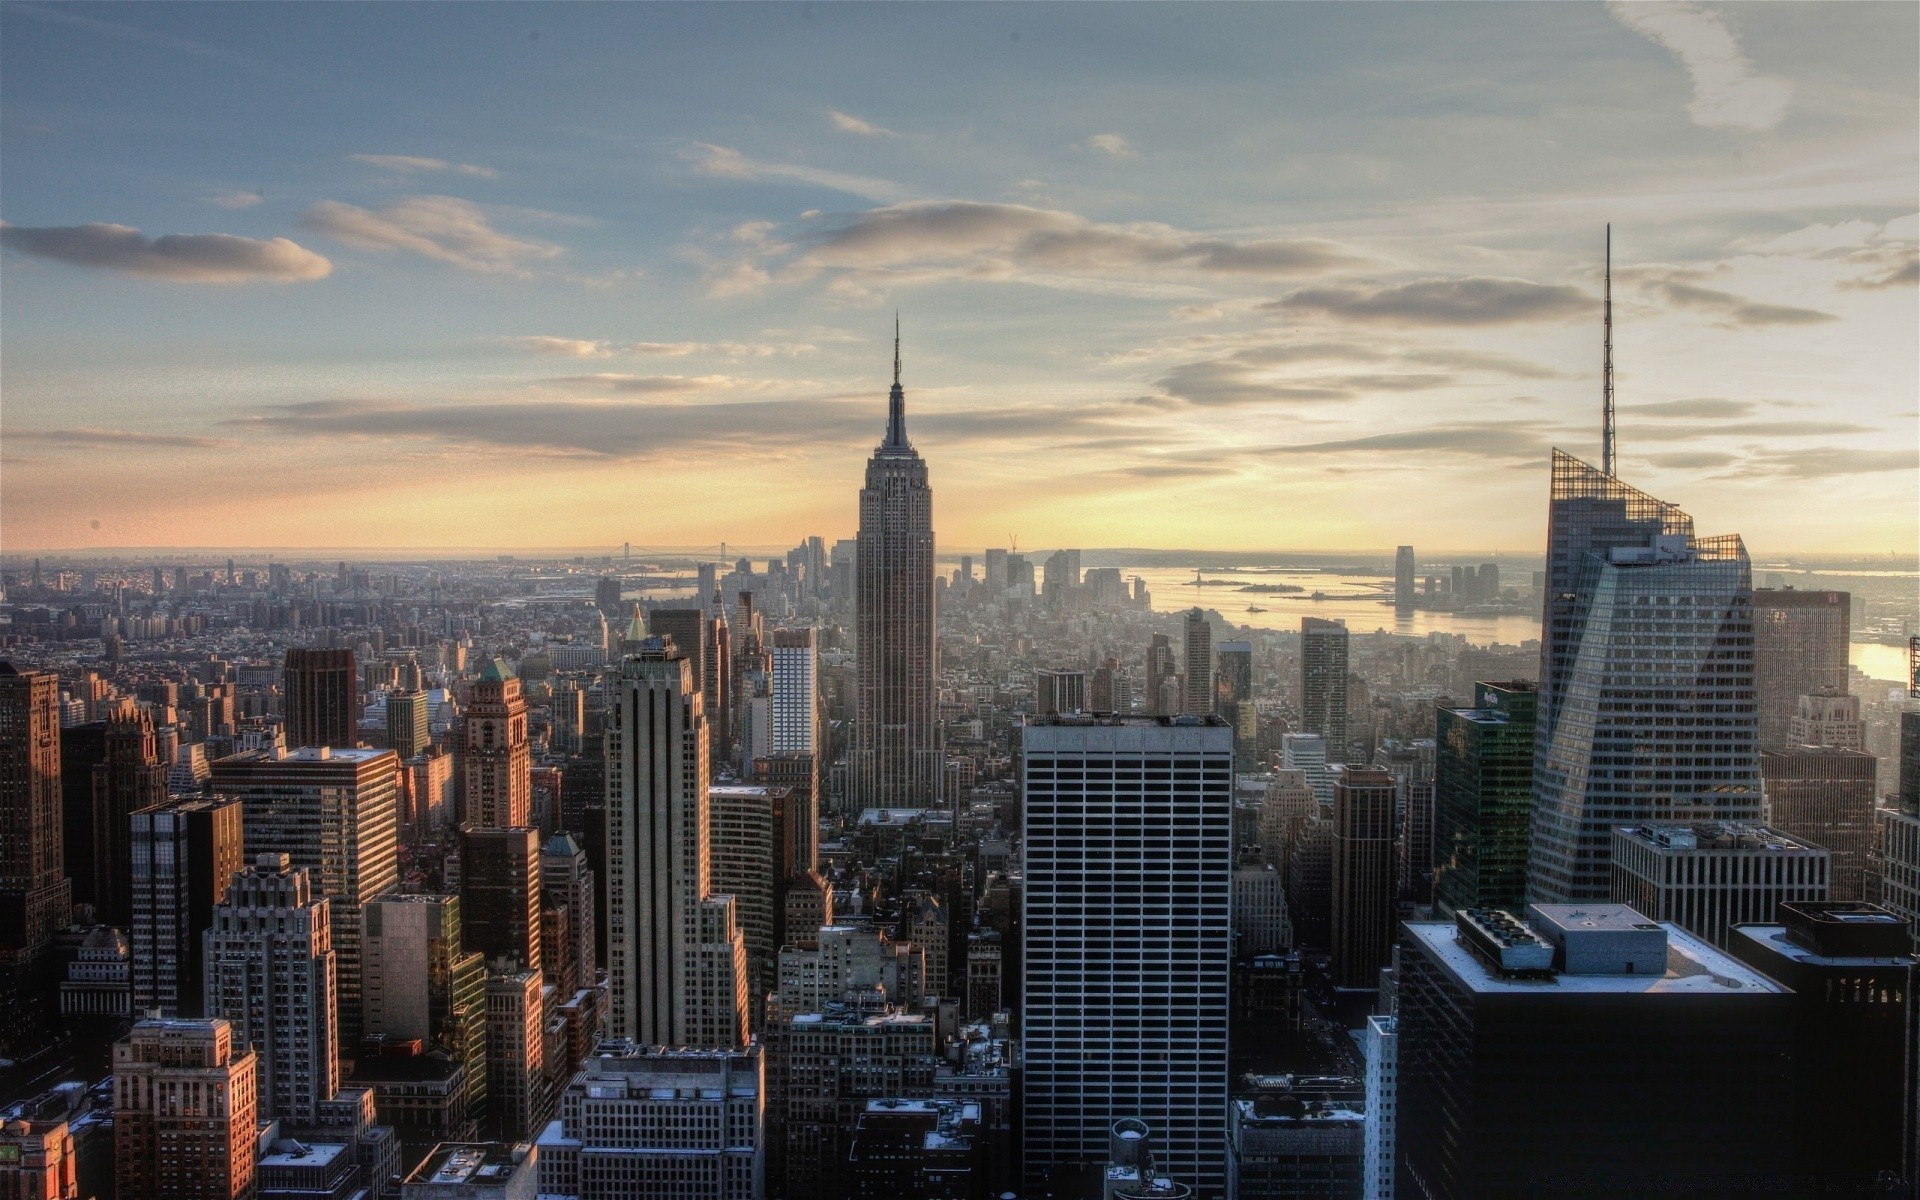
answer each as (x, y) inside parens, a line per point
(1059, 691)
(751, 835)
(567, 883)
(1297, 1136)
(335, 813)
(407, 731)
(421, 985)
(270, 973)
(1125, 968)
(857, 966)
(1381, 1045)
(1483, 798)
(184, 857)
(37, 1160)
(822, 1068)
(475, 1171)
(1260, 923)
(519, 1099)
(1404, 570)
(1323, 683)
(1364, 906)
(659, 1123)
(1653, 1063)
(1196, 663)
(35, 895)
(1826, 796)
(1708, 876)
(185, 1112)
(500, 895)
(930, 1149)
(496, 760)
(1799, 646)
(109, 769)
(1827, 718)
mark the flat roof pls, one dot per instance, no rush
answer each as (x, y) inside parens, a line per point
(1774, 938)
(304, 1154)
(452, 1163)
(1693, 967)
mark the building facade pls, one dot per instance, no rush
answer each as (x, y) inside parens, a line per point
(185, 1112)
(1483, 798)
(1707, 877)
(320, 690)
(496, 760)
(1323, 683)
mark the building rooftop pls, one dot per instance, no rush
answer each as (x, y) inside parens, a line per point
(1835, 933)
(452, 1164)
(1692, 966)
(289, 1153)
(1686, 836)
(1124, 720)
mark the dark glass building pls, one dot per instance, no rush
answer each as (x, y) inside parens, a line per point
(1483, 797)
(321, 695)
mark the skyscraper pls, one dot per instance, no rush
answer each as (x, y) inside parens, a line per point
(1128, 939)
(185, 1111)
(1403, 575)
(407, 733)
(795, 693)
(335, 813)
(567, 882)
(320, 687)
(34, 893)
(185, 855)
(1057, 691)
(694, 633)
(420, 983)
(1163, 677)
(676, 962)
(108, 769)
(1323, 683)
(1483, 797)
(495, 757)
(1364, 906)
(1197, 664)
(896, 740)
(1826, 796)
(1799, 646)
(751, 836)
(500, 895)
(1646, 689)
(270, 971)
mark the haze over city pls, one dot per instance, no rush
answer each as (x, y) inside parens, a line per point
(1286, 277)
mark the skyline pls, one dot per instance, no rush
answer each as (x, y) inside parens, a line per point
(375, 307)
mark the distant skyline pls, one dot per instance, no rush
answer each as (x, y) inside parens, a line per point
(1276, 277)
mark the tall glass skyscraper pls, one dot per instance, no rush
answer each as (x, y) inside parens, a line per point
(1646, 707)
(1483, 798)
(896, 738)
(1323, 683)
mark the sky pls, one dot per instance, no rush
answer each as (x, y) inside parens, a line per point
(1269, 276)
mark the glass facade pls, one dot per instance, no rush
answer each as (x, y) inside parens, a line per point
(1483, 798)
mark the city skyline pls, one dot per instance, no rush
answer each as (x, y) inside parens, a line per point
(1365, 264)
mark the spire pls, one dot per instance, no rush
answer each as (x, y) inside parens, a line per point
(896, 399)
(1606, 364)
(636, 631)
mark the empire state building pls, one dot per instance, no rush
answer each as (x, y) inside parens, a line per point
(896, 740)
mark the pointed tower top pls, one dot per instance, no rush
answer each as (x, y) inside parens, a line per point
(896, 401)
(636, 628)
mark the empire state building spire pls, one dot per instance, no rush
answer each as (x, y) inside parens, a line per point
(896, 401)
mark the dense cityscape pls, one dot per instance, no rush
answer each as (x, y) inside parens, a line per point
(1213, 688)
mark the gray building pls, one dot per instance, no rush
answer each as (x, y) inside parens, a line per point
(1709, 876)
(1799, 647)
(1323, 683)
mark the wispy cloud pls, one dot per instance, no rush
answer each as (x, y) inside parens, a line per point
(563, 347)
(116, 439)
(1826, 462)
(1504, 440)
(1727, 94)
(235, 199)
(1473, 300)
(181, 257)
(442, 228)
(410, 164)
(653, 384)
(1112, 145)
(1702, 407)
(724, 162)
(847, 123)
(1731, 311)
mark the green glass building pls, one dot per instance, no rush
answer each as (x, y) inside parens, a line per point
(1482, 797)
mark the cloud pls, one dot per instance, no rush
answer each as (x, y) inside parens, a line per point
(562, 347)
(1726, 92)
(408, 164)
(1112, 145)
(1675, 432)
(724, 162)
(115, 438)
(594, 348)
(442, 228)
(1825, 462)
(235, 199)
(1730, 311)
(1700, 407)
(1904, 272)
(653, 384)
(1507, 440)
(1473, 300)
(181, 257)
(926, 241)
(851, 124)
(1691, 460)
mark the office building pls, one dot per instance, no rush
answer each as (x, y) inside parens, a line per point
(35, 898)
(822, 1068)
(1059, 691)
(1646, 691)
(1708, 876)
(1260, 924)
(185, 1112)
(1587, 1051)
(519, 1098)
(798, 774)
(496, 760)
(109, 769)
(1196, 661)
(184, 857)
(1307, 754)
(1849, 966)
(422, 985)
(1060, 575)
(1799, 647)
(659, 1123)
(407, 731)
(38, 1160)
(320, 690)
(856, 966)
(751, 834)
(794, 693)
(1232, 679)
(500, 896)
(1381, 1044)
(1292, 1137)
(1404, 593)
(1323, 683)
(896, 758)
(567, 883)
(931, 1149)
(1827, 718)
(1364, 887)
(1163, 677)
(335, 813)
(1125, 968)
(676, 963)
(1825, 796)
(475, 1171)
(270, 973)
(1908, 796)
(694, 632)
(1482, 798)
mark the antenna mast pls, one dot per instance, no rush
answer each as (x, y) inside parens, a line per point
(1606, 366)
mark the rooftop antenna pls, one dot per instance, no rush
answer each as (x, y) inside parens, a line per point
(896, 347)
(1606, 365)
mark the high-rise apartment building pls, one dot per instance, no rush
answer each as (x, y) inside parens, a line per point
(897, 756)
(320, 690)
(1482, 798)
(1196, 661)
(270, 973)
(419, 982)
(496, 760)
(185, 1112)
(1646, 690)
(500, 895)
(1708, 876)
(659, 1121)
(1364, 891)
(334, 812)
(35, 897)
(1381, 1045)
(1125, 964)
(676, 963)
(1323, 683)
(185, 855)
(1799, 646)
(1404, 594)
(1825, 796)
(1586, 1051)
